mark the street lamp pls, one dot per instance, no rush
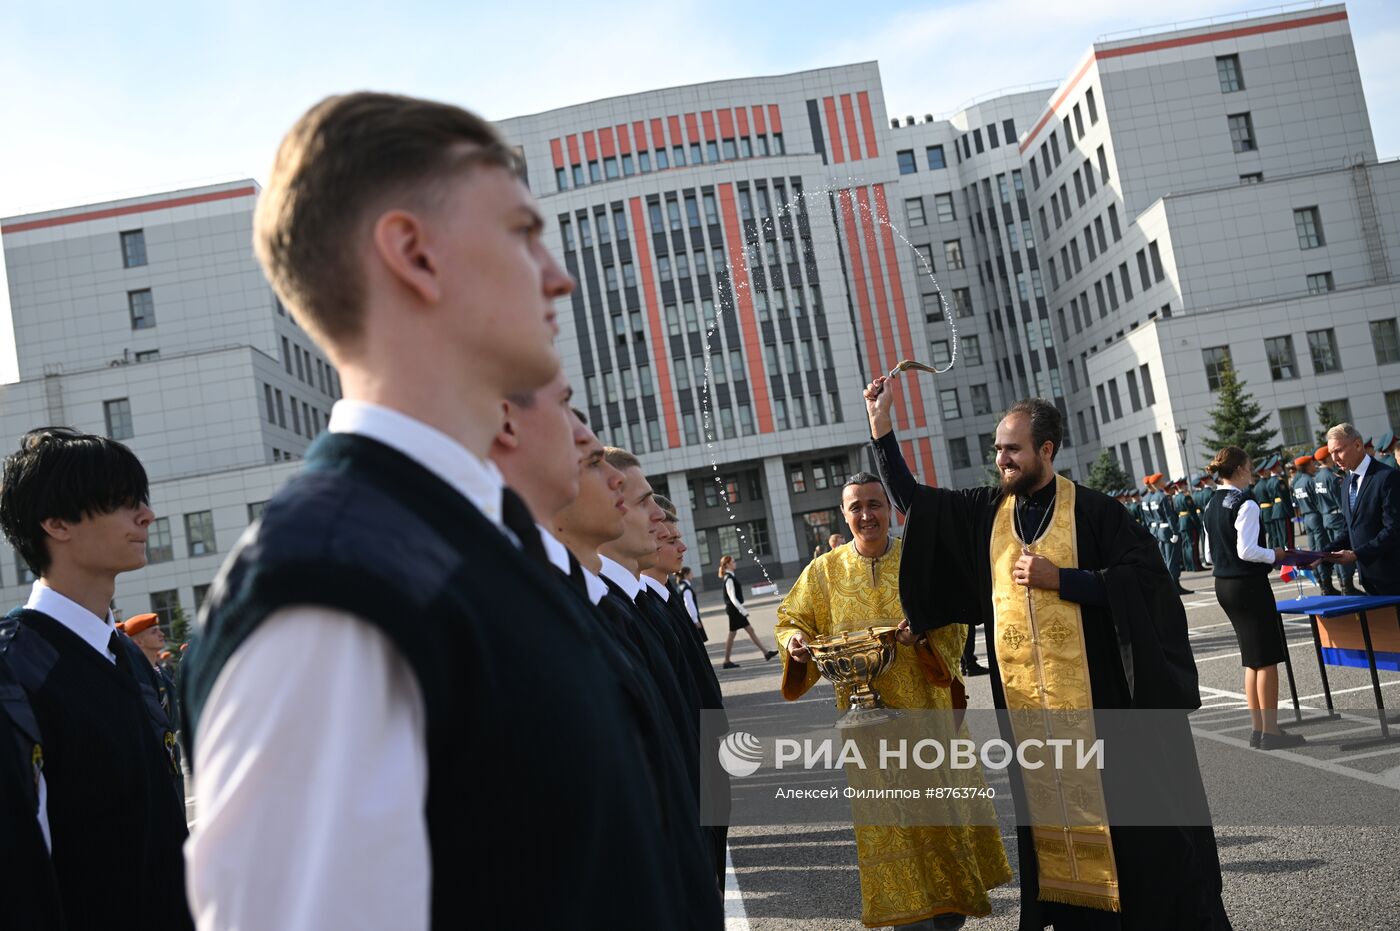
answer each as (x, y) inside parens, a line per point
(1185, 464)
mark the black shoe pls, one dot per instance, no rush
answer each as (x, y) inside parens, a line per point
(1330, 590)
(949, 922)
(1182, 590)
(975, 669)
(729, 665)
(769, 655)
(1254, 738)
(1350, 589)
(1280, 741)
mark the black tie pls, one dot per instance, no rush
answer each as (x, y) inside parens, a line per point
(516, 516)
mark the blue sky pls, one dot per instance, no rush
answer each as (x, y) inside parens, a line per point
(111, 99)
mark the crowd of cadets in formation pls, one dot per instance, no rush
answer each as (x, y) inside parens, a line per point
(1306, 490)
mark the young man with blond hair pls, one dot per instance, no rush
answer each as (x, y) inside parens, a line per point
(401, 236)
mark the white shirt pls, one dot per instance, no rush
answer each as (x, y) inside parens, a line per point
(558, 554)
(1360, 472)
(1247, 533)
(729, 584)
(688, 599)
(96, 632)
(620, 577)
(656, 586)
(310, 780)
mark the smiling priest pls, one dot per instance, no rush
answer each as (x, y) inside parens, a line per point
(1081, 615)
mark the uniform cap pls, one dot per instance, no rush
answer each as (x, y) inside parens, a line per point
(1321, 453)
(1302, 461)
(134, 625)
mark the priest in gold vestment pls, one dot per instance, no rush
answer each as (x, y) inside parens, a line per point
(911, 876)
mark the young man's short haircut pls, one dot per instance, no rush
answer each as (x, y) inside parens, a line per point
(346, 156)
(59, 472)
(667, 508)
(620, 459)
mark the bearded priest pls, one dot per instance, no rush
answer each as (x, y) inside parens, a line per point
(1080, 613)
(925, 876)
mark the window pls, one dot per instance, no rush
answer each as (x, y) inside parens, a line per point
(797, 480)
(907, 165)
(1386, 341)
(938, 351)
(133, 248)
(1113, 222)
(1256, 177)
(1242, 132)
(957, 453)
(118, 416)
(962, 302)
(281, 409)
(933, 155)
(165, 604)
(143, 309)
(1283, 365)
(1147, 391)
(199, 533)
(943, 205)
(952, 253)
(1142, 269)
(1216, 359)
(972, 350)
(914, 211)
(1093, 107)
(1008, 129)
(1320, 283)
(780, 413)
(1392, 410)
(610, 168)
(594, 174)
(1309, 226)
(159, 545)
(981, 400)
(925, 253)
(692, 437)
(948, 399)
(1336, 411)
(255, 510)
(1157, 273)
(1293, 422)
(620, 225)
(1227, 68)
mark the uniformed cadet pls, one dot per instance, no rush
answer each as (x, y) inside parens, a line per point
(1189, 523)
(1265, 491)
(1288, 472)
(1305, 498)
(1205, 488)
(1162, 523)
(1327, 496)
(1385, 449)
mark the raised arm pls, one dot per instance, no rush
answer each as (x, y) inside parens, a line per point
(894, 471)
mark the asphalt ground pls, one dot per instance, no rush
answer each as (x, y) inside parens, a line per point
(1324, 857)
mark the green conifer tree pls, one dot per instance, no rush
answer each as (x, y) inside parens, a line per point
(1238, 420)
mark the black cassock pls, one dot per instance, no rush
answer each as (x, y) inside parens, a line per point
(1138, 656)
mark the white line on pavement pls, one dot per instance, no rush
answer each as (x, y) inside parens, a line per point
(735, 917)
(1387, 780)
(1359, 688)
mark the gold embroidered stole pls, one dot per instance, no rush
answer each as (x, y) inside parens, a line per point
(1045, 676)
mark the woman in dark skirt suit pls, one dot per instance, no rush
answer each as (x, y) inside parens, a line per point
(1242, 565)
(738, 614)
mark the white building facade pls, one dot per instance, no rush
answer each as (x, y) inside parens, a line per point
(750, 253)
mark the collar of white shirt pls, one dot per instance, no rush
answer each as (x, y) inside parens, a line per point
(621, 578)
(657, 587)
(478, 481)
(1360, 470)
(96, 632)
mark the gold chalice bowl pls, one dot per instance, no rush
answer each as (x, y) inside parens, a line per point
(853, 659)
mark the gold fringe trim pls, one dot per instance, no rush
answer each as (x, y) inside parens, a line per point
(1082, 899)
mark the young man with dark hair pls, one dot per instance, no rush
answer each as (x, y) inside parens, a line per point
(452, 667)
(1043, 550)
(75, 507)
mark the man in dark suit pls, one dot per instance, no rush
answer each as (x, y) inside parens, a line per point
(1370, 537)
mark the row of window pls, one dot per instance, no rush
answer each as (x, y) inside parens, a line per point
(323, 377)
(660, 159)
(199, 537)
(1108, 393)
(1106, 288)
(736, 539)
(1322, 350)
(961, 458)
(307, 421)
(970, 141)
(951, 404)
(969, 351)
(961, 304)
(1124, 456)
(933, 158)
(943, 207)
(729, 489)
(1051, 146)
(825, 473)
(1094, 233)
(1084, 189)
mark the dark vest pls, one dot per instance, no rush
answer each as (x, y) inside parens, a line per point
(112, 794)
(536, 741)
(729, 603)
(1219, 521)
